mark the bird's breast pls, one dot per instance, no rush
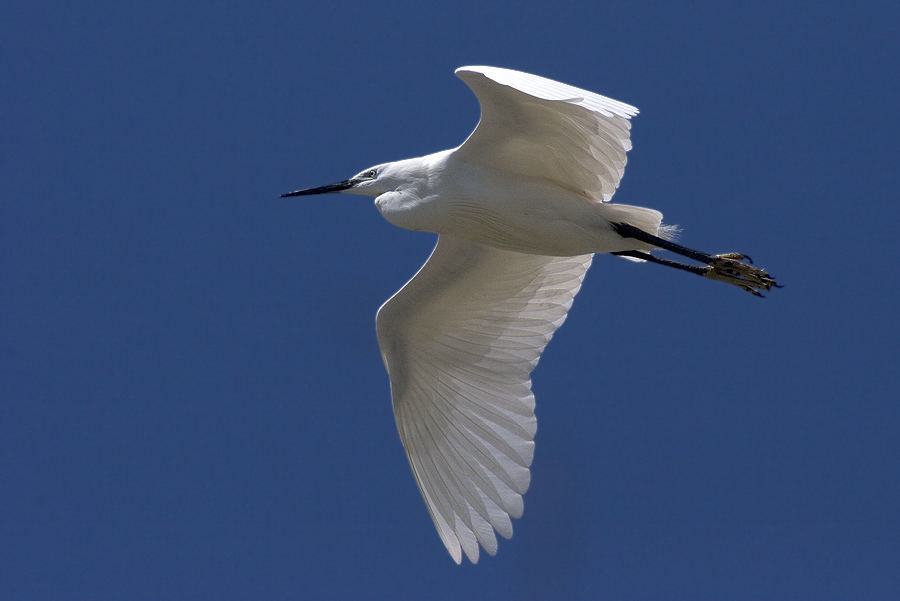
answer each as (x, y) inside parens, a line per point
(407, 209)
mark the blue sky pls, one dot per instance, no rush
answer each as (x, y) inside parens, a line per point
(194, 405)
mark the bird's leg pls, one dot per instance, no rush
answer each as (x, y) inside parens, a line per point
(728, 268)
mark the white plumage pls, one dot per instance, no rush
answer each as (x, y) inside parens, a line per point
(536, 127)
(459, 342)
(520, 208)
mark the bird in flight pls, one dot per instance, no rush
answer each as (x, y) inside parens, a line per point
(520, 208)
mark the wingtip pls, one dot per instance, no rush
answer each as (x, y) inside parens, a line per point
(461, 72)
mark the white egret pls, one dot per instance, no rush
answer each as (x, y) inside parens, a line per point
(520, 208)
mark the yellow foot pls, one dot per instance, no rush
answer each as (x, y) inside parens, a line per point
(729, 268)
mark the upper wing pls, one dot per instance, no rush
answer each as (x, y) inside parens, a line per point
(459, 341)
(542, 128)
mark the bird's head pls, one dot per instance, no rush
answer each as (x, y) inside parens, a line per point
(400, 189)
(373, 181)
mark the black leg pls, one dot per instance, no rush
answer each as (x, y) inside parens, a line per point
(627, 230)
(660, 261)
(726, 268)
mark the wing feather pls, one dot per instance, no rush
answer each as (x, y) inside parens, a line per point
(459, 342)
(542, 128)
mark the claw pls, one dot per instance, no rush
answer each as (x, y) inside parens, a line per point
(728, 268)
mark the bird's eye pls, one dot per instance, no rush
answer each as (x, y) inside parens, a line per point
(371, 174)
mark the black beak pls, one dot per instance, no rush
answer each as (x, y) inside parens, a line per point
(345, 185)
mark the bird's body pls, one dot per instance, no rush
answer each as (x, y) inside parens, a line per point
(520, 208)
(444, 194)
